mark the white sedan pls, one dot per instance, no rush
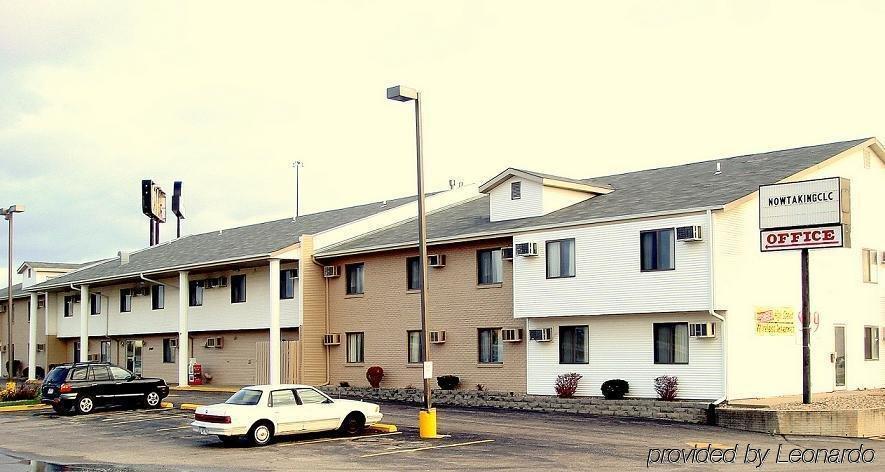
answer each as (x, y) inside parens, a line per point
(260, 412)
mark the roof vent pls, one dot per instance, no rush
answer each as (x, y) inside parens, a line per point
(718, 168)
(124, 257)
(384, 203)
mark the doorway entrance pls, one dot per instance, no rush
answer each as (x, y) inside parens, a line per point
(839, 359)
(133, 356)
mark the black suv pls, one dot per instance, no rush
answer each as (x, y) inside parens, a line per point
(85, 385)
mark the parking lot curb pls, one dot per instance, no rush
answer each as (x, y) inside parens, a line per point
(166, 405)
(383, 428)
(189, 406)
(205, 388)
(5, 409)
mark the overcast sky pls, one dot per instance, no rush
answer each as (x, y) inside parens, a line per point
(95, 96)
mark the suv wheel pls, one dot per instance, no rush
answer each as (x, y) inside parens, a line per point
(152, 400)
(261, 433)
(85, 405)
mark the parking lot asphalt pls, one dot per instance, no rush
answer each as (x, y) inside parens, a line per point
(118, 439)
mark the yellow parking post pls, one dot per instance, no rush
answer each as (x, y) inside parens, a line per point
(427, 423)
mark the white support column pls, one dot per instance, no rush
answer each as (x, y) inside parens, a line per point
(84, 324)
(32, 338)
(274, 339)
(184, 350)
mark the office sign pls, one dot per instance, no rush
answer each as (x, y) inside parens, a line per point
(803, 238)
(806, 203)
(779, 321)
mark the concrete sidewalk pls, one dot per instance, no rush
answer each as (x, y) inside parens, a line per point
(829, 401)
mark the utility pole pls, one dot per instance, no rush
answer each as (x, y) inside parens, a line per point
(297, 165)
(10, 350)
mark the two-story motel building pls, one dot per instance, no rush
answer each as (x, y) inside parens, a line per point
(610, 277)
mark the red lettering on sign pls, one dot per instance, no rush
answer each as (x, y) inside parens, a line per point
(794, 237)
(829, 235)
(782, 238)
(771, 238)
(815, 235)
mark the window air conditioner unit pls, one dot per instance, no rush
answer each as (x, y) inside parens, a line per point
(436, 260)
(702, 330)
(688, 233)
(210, 283)
(221, 281)
(507, 253)
(92, 357)
(41, 347)
(330, 271)
(511, 335)
(210, 343)
(215, 343)
(541, 335)
(526, 249)
(437, 337)
(41, 303)
(332, 339)
(141, 291)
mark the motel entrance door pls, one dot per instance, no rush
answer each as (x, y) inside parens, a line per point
(133, 356)
(839, 357)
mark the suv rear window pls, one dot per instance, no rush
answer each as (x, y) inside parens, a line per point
(57, 375)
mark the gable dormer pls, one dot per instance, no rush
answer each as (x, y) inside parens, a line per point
(518, 193)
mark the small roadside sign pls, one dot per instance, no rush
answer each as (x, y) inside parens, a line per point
(428, 370)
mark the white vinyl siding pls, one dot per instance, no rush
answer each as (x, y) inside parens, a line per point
(622, 347)
(609, 279)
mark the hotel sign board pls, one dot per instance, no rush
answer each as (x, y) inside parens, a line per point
(809, 214)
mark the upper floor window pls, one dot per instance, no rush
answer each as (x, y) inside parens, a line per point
(870, 266)
(355, 348)
(413, 273)
(671, 343)
(237, 288)
(125, 300)
(489, 266)
(657, 249)
(195, 292)
(69, 308)
(490, 348)
(30, 274)
(158, 297)
(94, 303)
(287, 283)
(560, 258)
(354, 273)
(515, 190)
(573, 345)
(871, 343)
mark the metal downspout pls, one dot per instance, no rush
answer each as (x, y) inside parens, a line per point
(712, 312)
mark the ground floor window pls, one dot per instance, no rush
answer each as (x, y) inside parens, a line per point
(573, 345)
(105, 351)
(169, 349)
(871, 343)
(671, 343)
(76, 351)
(415, 344)
(490, 349)
(355, 348)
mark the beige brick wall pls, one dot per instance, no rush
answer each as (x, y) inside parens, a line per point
(235, 364)
(312, 362)
(456, 304)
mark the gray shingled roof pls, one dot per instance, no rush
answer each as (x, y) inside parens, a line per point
(230, 244)
(52, 265)
(16, 292)
(542, 175)
(663, 189)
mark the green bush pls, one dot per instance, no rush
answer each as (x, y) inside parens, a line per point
(615, 389)
(20, 392)
(448, 382)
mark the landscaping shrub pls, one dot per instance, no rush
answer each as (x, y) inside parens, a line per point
(374, 375)
(615, 389)
(344, 384)
(21, 392)
(667, 387)
(448, 382)
(567, 384)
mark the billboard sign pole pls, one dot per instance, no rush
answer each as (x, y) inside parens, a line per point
(804, 215)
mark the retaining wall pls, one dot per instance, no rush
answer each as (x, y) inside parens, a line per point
(684, 411)
(843, 423)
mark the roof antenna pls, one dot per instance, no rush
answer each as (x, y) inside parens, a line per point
(297, 165)
(451, 184)
(718, 168)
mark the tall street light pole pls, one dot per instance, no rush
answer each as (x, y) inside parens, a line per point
(10, 351)
(427, 417)
(297, 165)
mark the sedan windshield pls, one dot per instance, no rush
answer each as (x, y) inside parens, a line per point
(245, 397)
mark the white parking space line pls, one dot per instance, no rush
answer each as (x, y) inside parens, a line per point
(139, 420)
(354, 438)
(173, 429)
(442, 446)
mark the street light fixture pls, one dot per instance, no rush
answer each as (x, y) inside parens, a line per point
(7, 213)
(426, 417)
